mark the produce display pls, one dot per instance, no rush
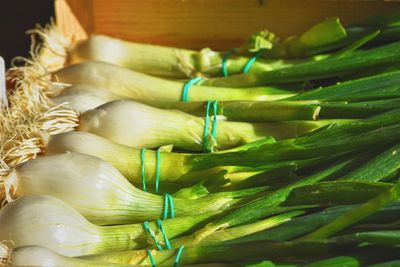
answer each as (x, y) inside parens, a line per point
(280, 152)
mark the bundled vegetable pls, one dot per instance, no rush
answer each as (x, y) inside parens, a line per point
(159, 60)
(37, 256)
(139, 86)
(49, 222)
(111, 199)
(151, 127)
(306, 166)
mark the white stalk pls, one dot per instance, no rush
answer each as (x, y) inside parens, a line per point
(82, 97)
(139, 86)
(146, 58)
(49, 222)
(174, 167)
(97, 190)
(37, 256)
(138, 125)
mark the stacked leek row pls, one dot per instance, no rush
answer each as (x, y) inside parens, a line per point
(293, 159)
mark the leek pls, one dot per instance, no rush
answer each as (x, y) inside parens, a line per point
(162, 61)
(151, 128)
(83, 97)
(140, 86)
(49, 222)
(356, 61)
(111, 198)
(37, 256)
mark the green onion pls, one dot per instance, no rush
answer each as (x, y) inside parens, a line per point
(151, 128)
(98, 191)
(37, 256)
(353, 62)
(162, 61)
(138, 86)
(49, 222)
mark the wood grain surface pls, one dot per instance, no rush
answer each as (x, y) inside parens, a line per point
(219, 24)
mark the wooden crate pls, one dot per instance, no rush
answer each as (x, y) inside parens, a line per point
(219, 24)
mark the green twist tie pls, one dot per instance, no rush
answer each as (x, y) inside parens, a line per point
(166, 240)
(142, 156)
(251, 61)
(168, 202)
(178, 255)
(153, 263)
(158, 168)
(187, 86)
(153, 237)
(224, 64)
(206, 122)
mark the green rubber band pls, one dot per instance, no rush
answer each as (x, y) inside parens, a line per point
(153, 263)
(214, 126)
(168, 205)
(142, 156)
(224, 64)
(206, 122)
(251, 61)
(166, 240)
(158, 168)
(178, 255)
(205, 132)
(153, 237)
(187, 86)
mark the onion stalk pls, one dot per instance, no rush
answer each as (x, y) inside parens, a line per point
(151, 128)
(162, 61)
(383, 56)
(37, 256)
(49, 222)
(176, 169)
(83, 97)
(98, 191)
(138, 86)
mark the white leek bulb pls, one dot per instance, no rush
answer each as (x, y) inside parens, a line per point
(83, 97)
(174, 167)
(51, 223)
(138, 125)
(37, 256)
(97, 190)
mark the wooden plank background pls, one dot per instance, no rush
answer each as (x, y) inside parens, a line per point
(219, 24)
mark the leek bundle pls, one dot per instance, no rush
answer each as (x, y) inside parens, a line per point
(141, 87)
(151, 128)
(83, 97)
(162, 61)
(350, 63)
(49, 222)
(111, 198)
(37, 256)
(175, 170)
